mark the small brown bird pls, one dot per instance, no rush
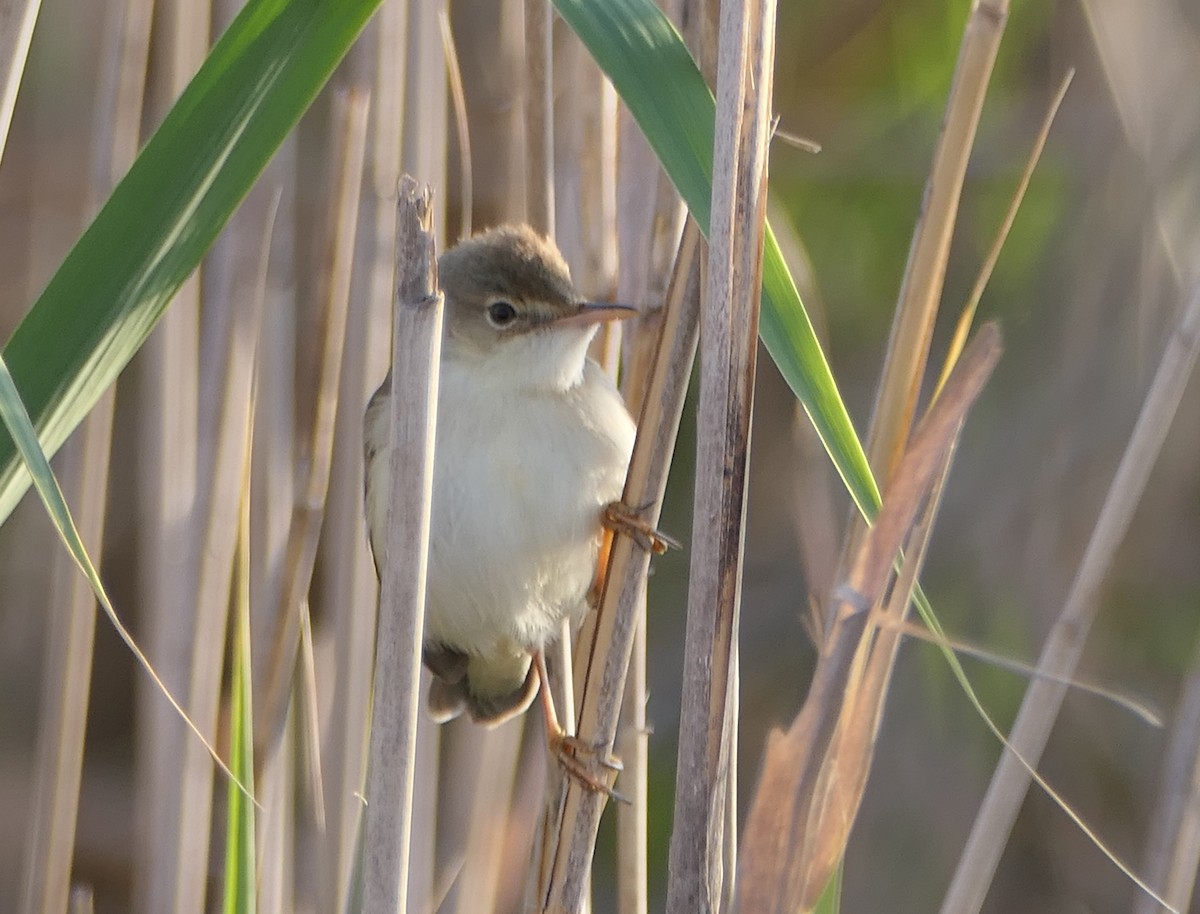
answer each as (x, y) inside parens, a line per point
(532, 445)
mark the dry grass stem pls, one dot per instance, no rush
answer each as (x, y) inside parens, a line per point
(729, 338)
(1173, 851)
(315, 457)
(416, 352)
(924, 275)
(1064, 645)
(608, 655)
(814, 774)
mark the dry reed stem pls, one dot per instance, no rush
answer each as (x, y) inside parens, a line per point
(243, 301)
(50, 844)
(700, 832)
(218, 535)
(314, 460)
(814, 774)
(416, 352)
(349, 587)
(17, 19)
(1065, 643)
(458, 99)
(50, 840)
(173, 861)
(539, 116)
(644, 274)
(1173, 849)
(608, 656)
(924, 275)
(1133, 43)
(423, 152)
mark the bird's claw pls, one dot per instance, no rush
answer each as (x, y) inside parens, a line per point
(620, 518)
(589, 765)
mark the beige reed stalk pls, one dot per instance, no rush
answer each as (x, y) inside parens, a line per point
(1064, 645)
(814, 774)
(729, 339)
(416, 353)
(50, 843)
(173, 819)
(601, 697)
(348, 589)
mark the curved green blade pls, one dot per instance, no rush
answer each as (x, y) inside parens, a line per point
(641, 52)
(117, 280)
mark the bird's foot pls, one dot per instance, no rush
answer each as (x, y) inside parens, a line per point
(589, 765)
(621, 518)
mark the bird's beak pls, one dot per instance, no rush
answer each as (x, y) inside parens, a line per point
(596, 313)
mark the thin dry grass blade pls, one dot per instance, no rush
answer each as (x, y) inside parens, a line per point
(729, 348)
(17, 19)
(250, 232)
(963, 328)
(814, 774)
(924, 275)
(1064, 645)
(416, 351)
(608, 654)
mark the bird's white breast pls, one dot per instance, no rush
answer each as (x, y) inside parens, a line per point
(521, 475)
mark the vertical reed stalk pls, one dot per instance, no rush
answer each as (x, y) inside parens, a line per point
(729, 339)
(1064, 646)
(58, 771)
(173, 859)
(416, 352)
(609, 653)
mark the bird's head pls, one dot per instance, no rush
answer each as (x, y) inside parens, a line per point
(510, 301)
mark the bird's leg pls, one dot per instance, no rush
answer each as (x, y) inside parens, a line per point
(580, 760)
(621, 518)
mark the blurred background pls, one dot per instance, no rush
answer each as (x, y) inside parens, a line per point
(1098, 265)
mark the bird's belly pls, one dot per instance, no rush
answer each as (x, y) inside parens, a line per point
(515, 527)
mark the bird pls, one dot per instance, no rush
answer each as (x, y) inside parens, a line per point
(531, 449)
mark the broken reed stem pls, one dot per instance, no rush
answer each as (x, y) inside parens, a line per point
(608, 657)
(416, 354)
(729, 339)
(1064, 645)
(814, 774)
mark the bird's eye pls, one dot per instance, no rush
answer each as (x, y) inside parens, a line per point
(501, 313)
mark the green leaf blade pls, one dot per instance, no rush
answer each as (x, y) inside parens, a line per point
(151, 234)
(642, 53)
